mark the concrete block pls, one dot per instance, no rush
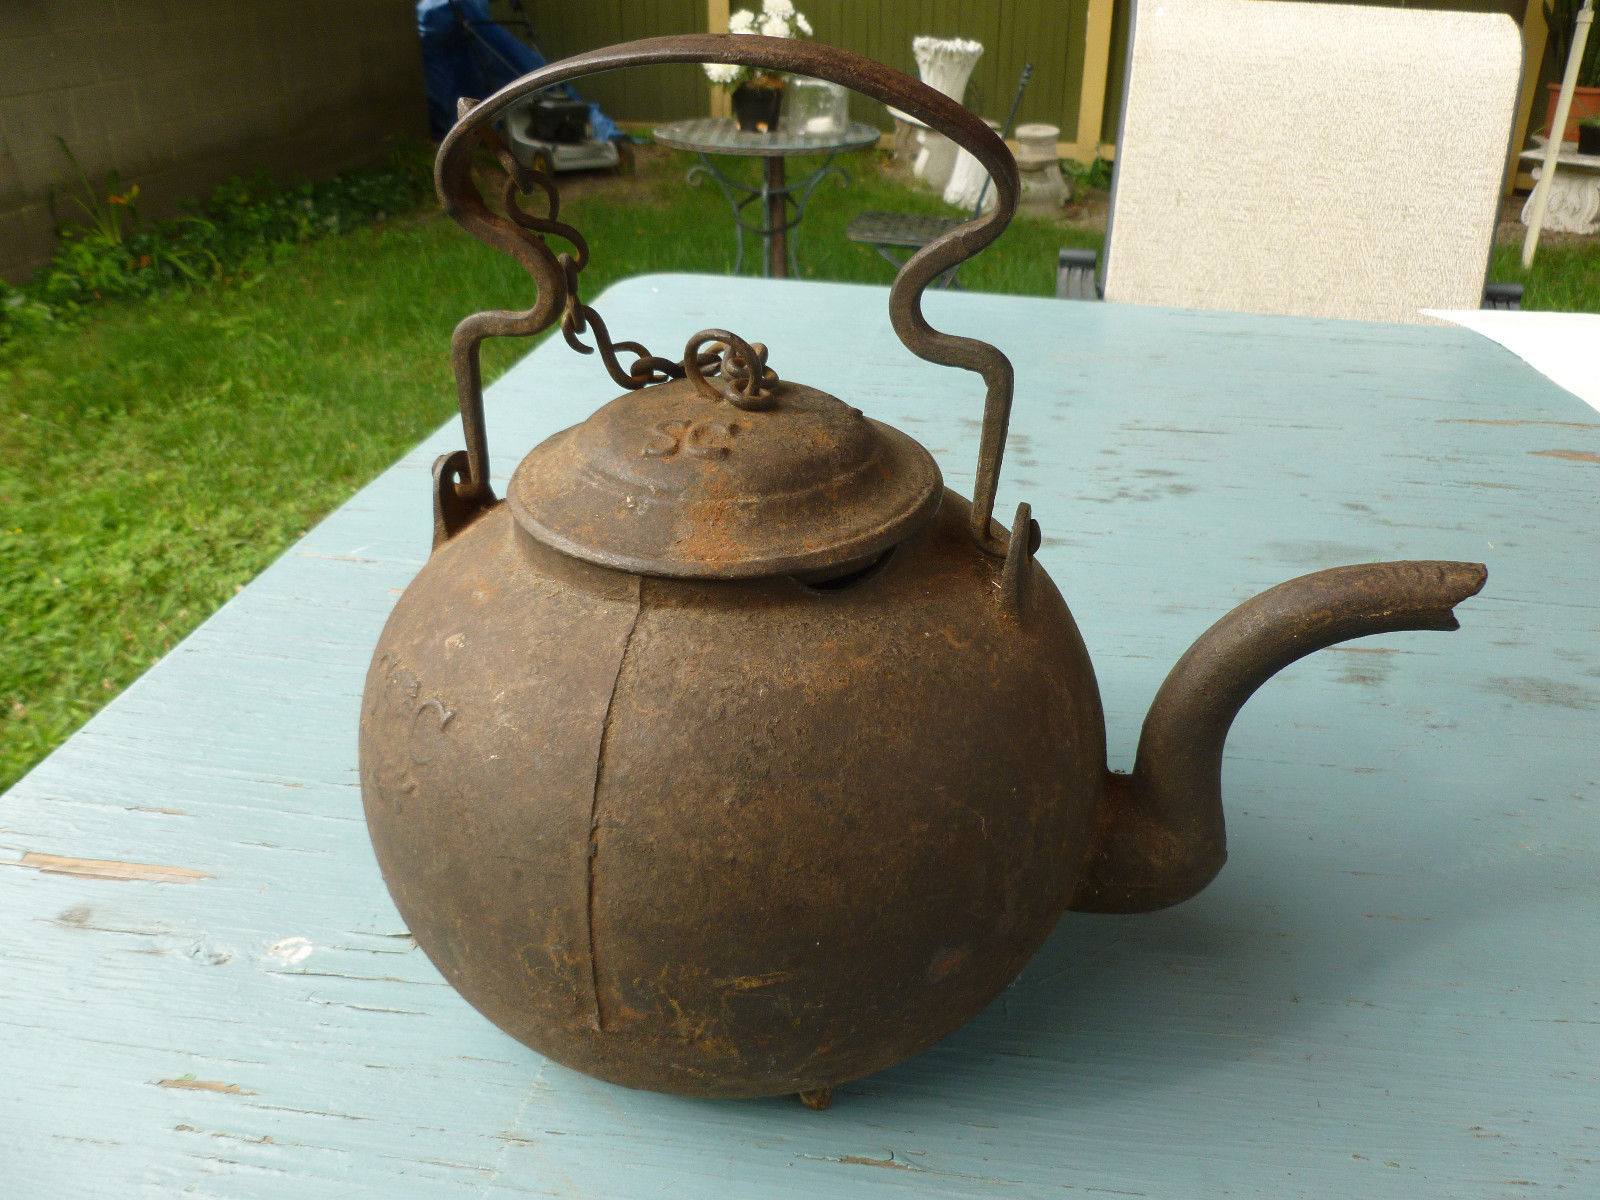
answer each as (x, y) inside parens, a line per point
(32, 122)
(74, 57)
(23, 20)
(43, 63)
(166, 98)
(69, 16)
(27, 239)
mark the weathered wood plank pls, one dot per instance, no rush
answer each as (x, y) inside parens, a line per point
(1390, 991)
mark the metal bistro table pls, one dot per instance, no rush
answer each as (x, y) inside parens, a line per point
(775, 197)
(1392, 990)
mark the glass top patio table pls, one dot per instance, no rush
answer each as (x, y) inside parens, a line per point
(779, 203)
(721, 135)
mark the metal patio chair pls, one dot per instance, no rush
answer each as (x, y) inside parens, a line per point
(897, 236)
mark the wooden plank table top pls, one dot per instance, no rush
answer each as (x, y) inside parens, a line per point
(1392, 990)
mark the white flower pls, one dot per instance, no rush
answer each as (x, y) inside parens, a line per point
(777, 19)
(722, 72)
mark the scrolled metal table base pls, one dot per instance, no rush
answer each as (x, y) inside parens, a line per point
(777, 197)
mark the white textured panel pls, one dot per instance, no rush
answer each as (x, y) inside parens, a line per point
(1313, 159)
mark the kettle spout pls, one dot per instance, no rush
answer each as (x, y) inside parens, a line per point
(1160, 836)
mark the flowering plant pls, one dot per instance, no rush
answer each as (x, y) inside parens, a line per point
(777, 18)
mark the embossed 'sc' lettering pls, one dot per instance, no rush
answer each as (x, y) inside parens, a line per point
(400, 698)
(442, 718)
(385, 667)
(703, 439)
(711, 439)
(666, 440)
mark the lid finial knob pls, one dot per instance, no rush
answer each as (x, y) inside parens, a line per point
(742, 376)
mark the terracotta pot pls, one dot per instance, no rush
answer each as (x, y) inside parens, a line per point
(1585, 103)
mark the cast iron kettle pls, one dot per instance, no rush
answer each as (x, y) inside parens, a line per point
(730, 754)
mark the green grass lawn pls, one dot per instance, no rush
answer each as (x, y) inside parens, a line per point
(1563, 278)
(157, 457)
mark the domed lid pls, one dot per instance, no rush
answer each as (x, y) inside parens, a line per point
(713, 477)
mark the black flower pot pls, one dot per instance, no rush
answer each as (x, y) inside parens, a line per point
(756, 108)
(1589, 139)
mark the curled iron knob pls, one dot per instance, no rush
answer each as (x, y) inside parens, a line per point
(743, 378)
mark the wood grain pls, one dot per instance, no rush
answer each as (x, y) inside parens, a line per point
(99, 868)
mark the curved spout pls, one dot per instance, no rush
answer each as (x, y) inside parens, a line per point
(1160, 836)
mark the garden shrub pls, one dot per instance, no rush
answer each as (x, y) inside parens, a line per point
(245, 225)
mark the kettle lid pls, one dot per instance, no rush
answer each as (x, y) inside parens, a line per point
(721, 478)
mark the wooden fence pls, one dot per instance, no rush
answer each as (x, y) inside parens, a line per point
(1071, 43)
(642, 95)
(1076, 46)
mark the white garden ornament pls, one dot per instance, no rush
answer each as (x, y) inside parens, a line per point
(944, 64)
(1043, 188)
(969, 182)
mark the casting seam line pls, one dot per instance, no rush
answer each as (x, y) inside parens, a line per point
(594, 804)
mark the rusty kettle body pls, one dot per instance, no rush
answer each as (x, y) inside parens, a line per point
(734, 837)
(731, 754)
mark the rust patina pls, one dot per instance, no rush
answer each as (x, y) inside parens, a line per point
(732, 754)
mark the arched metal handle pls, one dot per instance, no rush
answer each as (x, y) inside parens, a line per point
(520, 235)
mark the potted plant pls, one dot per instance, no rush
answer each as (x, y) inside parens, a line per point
(1561, 17)
(1589, 136)
(758, 95)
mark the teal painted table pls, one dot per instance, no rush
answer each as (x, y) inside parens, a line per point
(1393, 990)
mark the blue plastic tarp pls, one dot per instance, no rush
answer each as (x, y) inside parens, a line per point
(465, 53)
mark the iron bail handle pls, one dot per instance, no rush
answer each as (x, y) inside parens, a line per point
(517, 237)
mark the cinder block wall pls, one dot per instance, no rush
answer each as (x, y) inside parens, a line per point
(177, 96)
